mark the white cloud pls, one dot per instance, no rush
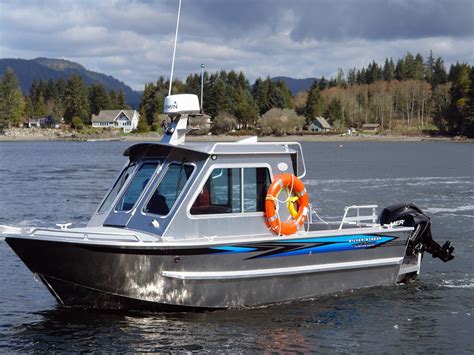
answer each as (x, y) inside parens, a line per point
(132, 40)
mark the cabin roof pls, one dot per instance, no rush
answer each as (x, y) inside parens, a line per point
(221, 148)
(322, 121)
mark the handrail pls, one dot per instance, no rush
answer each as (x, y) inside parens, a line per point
(357, 219)
(284, 144)
(85, 235)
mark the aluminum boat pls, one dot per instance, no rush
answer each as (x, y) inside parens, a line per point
(190, 226)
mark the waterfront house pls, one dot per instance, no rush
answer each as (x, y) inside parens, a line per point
(127, 120)
(371, 127)
(319, 124)
(42, 122)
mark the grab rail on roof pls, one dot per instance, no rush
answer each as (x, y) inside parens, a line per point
(287, 145)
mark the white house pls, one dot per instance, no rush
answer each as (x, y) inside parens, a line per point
(124, 119)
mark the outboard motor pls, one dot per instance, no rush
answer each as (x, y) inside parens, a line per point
(421, 239)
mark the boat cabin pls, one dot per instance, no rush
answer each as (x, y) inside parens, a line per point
(180, 190)
(195, 189)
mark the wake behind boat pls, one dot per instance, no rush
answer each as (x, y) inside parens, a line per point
(219, 225)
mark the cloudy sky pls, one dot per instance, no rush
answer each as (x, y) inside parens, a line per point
(132, 40)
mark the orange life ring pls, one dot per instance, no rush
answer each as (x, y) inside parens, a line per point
(296, 187)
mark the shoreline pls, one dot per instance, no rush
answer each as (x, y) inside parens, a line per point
(229, 138)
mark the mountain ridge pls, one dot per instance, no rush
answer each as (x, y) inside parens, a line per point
(296, 85)
(42, 68)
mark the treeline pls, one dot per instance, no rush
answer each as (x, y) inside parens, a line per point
(224, 92)
(58, 99)
(412, 94)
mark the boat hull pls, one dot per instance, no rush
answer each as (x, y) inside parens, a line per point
(201, 277)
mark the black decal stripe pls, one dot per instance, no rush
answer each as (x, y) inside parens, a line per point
(151, 251)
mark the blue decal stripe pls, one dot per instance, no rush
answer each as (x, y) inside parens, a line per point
(306, 246)
(232, 249)
(341, 239)
(346, 243)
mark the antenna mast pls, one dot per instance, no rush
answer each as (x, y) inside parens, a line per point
(174, 49)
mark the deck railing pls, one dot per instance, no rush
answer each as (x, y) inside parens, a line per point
(359, 218)
(82, 235)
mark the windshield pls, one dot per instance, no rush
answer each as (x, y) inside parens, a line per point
(169, 189)
(135, 188)
(117, 187)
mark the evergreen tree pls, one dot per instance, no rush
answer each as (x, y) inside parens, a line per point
(50, 91)
(323, 83)
(193, 84)
(276, 98)
(121, 104)
(98, 99)
(419, 68)
(388, 70)
(246, 114)
(460, 74)
(75, 100)
(468, 128)
(142, 124)
(288, 98)
(361, 77)
(335, 112)
(29, 109)
(148, 104)
(439, 72)
(332, 83)
(410, 67)
(60, 89)
(429, 69)
(112, 100)
(314, 103)
(34, 94)
(400, 70)
(41, 109)
(267, 94)
(374, 73)
(220, 102)
(352, 76)
(12, 103)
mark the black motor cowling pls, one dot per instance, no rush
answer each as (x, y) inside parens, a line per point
(409, 215)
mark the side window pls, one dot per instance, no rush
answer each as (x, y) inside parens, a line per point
(224, 189)
(134, 190)
(116, 189)
(256, 183)
(220, 194)
(169, 189)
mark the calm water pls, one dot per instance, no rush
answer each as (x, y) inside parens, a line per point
(43, 183)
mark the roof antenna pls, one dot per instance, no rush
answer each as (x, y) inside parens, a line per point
(174, 49)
